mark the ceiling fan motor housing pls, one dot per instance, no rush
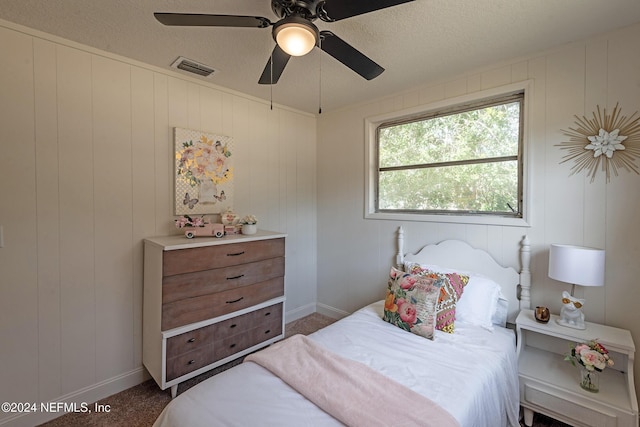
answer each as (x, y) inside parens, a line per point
(303, 8)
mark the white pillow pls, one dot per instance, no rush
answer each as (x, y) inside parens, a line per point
(502, 311)
(481, 303)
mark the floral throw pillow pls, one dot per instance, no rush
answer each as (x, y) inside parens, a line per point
(411, 302)
(451, 291)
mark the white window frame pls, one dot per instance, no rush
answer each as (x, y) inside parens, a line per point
(371, 166)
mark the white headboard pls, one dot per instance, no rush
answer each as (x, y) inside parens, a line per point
(456, 254)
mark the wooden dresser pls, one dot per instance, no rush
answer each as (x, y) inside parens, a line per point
(208, 301)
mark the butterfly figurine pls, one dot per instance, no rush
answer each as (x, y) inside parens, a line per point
(189, 201)
(221, 197)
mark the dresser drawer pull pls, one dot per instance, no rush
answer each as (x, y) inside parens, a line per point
(235, 277)
(191, 340)
(236, 254)
(267, 331)
(191, 362)
(233, 326)
(235, 300)
(232, 345)
(267, 313)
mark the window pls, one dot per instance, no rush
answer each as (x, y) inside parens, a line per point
(462, 159)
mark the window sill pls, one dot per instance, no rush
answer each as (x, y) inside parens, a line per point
(459, 219)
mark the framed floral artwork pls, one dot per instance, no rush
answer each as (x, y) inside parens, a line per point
(203, 172)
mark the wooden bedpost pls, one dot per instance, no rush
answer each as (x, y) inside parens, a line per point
(525, 274)
(400, 254)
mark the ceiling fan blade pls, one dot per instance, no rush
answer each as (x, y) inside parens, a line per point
(200, 20)
(270, 75)
(335, 10)
(349, 56)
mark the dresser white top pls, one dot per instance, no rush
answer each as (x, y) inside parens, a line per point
(180, 241)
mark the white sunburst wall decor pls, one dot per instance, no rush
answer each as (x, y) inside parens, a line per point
(203, 172)
(609, 141)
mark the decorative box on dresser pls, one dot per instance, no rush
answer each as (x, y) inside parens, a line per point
(208, 301)
(550, 385)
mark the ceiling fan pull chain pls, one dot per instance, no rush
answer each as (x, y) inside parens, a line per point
(320, 80)
(271, 85)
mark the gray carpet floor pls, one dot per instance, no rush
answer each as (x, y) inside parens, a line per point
(139, 406)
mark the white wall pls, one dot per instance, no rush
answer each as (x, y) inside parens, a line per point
(86, 174)
(354, 254)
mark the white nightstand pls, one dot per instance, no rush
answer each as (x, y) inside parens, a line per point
(549, 384)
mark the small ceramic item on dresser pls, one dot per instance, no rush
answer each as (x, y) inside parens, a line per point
(249, 224)
(542, 314)
(229, 217)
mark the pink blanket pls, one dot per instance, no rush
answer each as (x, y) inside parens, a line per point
(348, 390)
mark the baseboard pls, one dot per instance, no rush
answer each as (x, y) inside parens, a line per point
(332, 312)
(86, 396)
(299, 313)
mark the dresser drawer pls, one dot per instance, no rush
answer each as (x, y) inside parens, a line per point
(186, 311)
(209, 257)
(200, 337)
(190, 341)
(235, 343)
(247, 321)
(191, 285)
(192, 350)
(188, 362)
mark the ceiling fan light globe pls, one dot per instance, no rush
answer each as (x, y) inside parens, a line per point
(295, 36)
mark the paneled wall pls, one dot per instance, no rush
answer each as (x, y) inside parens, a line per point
(86, 174)
(570, 80)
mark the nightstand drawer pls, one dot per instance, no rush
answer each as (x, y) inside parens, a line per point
(561, 405)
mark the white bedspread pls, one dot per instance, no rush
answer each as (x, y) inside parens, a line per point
(472, 374)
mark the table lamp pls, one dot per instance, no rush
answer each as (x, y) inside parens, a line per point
(577, 265)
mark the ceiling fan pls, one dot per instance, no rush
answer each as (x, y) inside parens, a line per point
(294, 32)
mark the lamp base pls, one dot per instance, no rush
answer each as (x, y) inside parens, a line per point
(571, 314)
(570, 324)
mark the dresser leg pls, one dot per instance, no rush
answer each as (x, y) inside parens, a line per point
(174, 392)
(528, 417)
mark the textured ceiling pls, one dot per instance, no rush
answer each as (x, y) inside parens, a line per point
(416, 42)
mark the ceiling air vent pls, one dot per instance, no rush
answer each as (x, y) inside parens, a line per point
(192, 66)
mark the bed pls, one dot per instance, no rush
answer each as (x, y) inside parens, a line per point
(470, 375)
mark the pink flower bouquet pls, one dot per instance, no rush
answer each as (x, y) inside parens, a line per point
(592, 355)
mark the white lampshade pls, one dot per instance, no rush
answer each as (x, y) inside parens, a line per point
(295, 36)
(577, 265)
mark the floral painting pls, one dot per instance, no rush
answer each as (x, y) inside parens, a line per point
(203, 172)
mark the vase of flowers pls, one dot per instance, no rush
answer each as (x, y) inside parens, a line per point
(249, 224)
(593, 358)
(589, 380)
